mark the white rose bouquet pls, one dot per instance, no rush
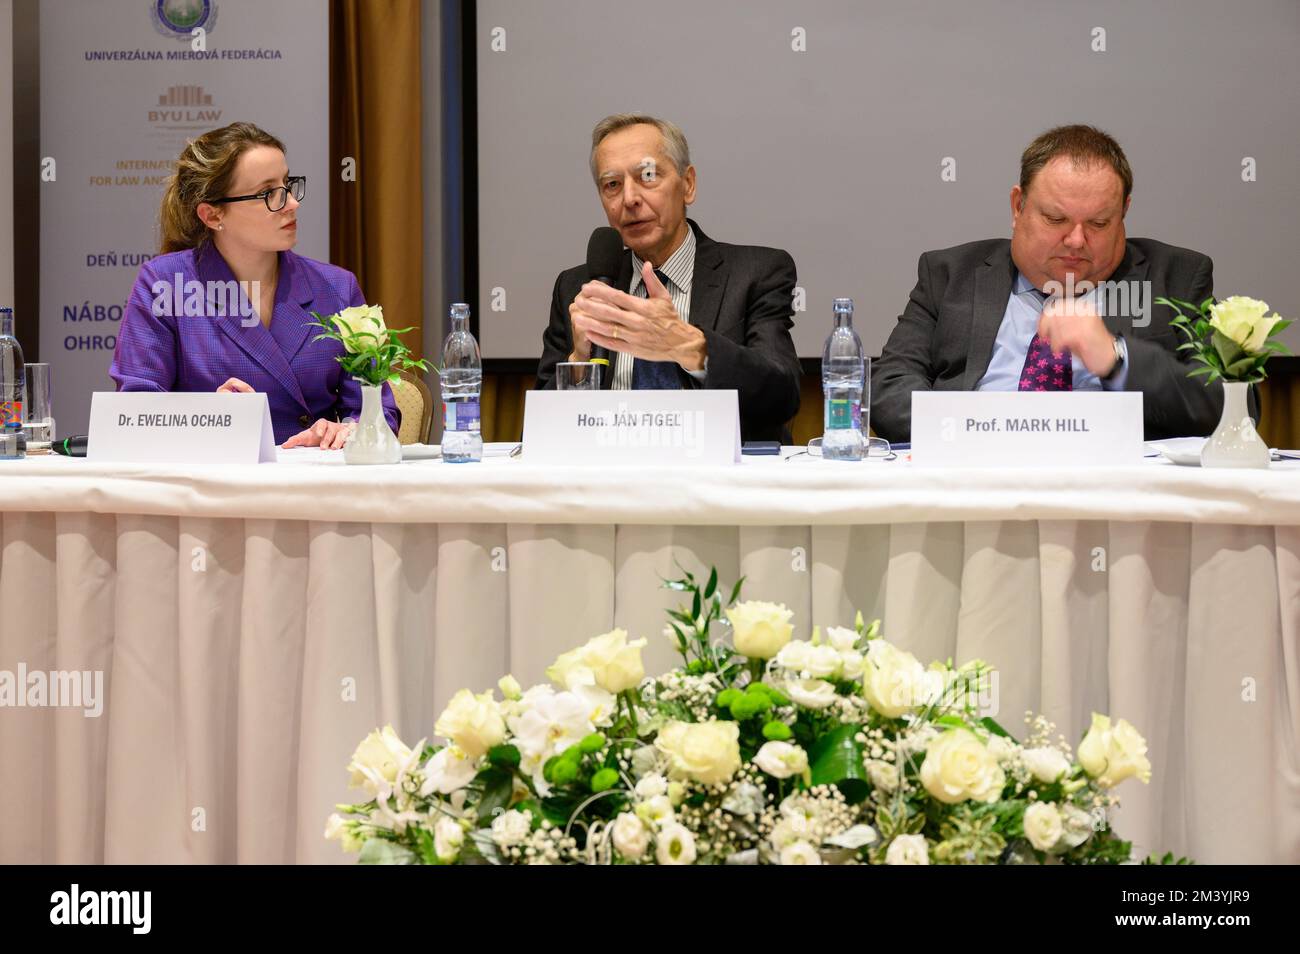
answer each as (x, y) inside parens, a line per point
(760, 749)
(372, 352)
(1231, 339)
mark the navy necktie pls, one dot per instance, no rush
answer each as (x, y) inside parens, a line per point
(656, 375)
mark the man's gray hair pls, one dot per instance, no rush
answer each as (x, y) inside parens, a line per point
(675, 145)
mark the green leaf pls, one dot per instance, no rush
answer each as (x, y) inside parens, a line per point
(835, 758)
(735, 591)
(712, 584)
(498, 786)
(503, 755)
(991, 724)
(379, 851)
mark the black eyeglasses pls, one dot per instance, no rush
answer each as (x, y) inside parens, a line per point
(275, 199)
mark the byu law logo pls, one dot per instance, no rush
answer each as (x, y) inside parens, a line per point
(185, 106)
(179, 18)
(103, 907)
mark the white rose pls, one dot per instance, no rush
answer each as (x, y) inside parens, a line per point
(473, 723)
(894, 682)
(512, 827)
(707, 752)
(362, 326)
(1077, 826)
(958, 766)
(675, 845)
(781, 759)
(794, 655)
(789, 830)
(842, 638)
(852, 664)
(656, 810)
(1111, 754)
(631, 836)
(1045, 764)
(651, 785)
(613, 663)
(908, 850)
(809, 660)
(800, 853)
(448, 836)
(1042, 824)
(884, 775)
(810, 693)
(1243, 320)
(378, 760)
(448, 771)
(760, 629)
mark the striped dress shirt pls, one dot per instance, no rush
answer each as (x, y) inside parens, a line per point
(679, 270)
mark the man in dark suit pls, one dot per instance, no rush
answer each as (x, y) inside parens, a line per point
(1068, 293)
(685, 311)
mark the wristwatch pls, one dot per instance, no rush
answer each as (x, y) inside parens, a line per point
(1121, 355)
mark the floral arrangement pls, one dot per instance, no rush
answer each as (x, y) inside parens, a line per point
(760, 749)
(1231, 339)
(372, 352)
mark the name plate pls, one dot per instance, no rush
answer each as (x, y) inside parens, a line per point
(180, 427)
(631, 427)
(1026, 429)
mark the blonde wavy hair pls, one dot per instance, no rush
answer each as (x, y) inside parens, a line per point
(204, 172)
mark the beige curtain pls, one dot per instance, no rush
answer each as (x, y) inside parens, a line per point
(375, 105)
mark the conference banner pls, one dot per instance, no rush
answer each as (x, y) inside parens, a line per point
(123, 85)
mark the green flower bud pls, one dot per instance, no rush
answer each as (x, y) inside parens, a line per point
(564, 772)
(696, 667)
(726, 697)
(573, 755)
(748, 706)
(776, 731)
(603, 780)
(592, 743)
(548, 769)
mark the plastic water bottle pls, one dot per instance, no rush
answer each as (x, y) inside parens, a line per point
(843, 374)
(13, 388)
(462, 380)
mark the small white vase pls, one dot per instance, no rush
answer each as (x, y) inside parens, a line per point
(372, 440)
(1235, 442)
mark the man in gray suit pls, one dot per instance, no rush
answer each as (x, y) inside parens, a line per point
(684, 311)
(1068, 293)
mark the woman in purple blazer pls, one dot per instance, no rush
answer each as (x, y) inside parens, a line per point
(227, 305)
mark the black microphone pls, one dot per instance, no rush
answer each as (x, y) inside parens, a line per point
(70, 446)
(604, 261)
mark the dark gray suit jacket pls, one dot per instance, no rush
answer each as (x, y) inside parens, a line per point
(944, 339)
(742, 298)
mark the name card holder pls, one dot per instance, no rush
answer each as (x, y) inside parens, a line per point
(603, 428)
(149, 427)
(1027, 429)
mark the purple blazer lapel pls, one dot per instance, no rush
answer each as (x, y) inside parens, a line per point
(293, 299)
(248, 333)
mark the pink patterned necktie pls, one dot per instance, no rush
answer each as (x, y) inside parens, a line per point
(1045, 371)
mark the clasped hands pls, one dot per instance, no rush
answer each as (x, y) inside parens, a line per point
(1074, 324)
(327, 435)
(648, 328)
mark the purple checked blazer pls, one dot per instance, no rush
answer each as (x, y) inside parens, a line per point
(165, 346)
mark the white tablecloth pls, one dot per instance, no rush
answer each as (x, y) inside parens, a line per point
(253, 623)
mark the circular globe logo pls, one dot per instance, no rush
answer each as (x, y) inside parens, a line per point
(182, 16)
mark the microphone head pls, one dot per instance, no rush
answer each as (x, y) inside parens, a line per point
(604, 255)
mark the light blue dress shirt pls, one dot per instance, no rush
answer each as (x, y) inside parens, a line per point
(1011, 347)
